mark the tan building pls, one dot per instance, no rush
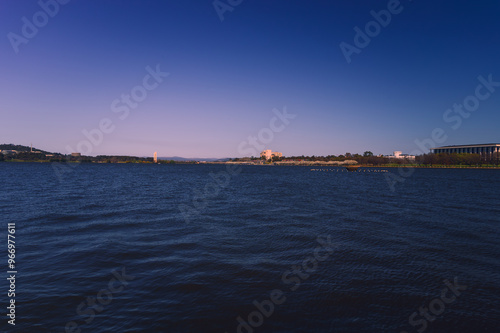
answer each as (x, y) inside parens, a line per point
(268, 154)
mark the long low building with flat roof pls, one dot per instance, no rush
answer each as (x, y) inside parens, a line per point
(489, 148)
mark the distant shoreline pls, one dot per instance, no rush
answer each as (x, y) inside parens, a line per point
(311, 164)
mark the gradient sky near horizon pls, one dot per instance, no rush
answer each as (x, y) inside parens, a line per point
(227, 76)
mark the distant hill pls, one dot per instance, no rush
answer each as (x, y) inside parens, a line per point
(21, 148)
(197, 159)
(11, 146)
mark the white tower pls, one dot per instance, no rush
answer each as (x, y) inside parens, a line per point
(156, 157)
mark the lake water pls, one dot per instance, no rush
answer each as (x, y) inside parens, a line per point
(106, 248)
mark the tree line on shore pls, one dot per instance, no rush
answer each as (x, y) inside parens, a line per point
(36, 157)
(368, 158)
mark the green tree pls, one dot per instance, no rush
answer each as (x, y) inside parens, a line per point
(276, 158)
(367, 153)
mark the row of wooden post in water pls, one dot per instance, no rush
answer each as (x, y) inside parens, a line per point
(350, 169)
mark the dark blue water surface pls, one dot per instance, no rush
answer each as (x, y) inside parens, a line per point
(105, 248)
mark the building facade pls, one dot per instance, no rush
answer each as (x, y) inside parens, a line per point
(483, 149)
(8, 152)
(399, 154)
(268, 154)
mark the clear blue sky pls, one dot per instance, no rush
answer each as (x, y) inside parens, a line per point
(226, 77)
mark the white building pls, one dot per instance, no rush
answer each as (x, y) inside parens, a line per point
(8, 152)
(268, 154)
(399, 154)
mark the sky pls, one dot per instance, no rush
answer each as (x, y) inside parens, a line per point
(228, 78)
